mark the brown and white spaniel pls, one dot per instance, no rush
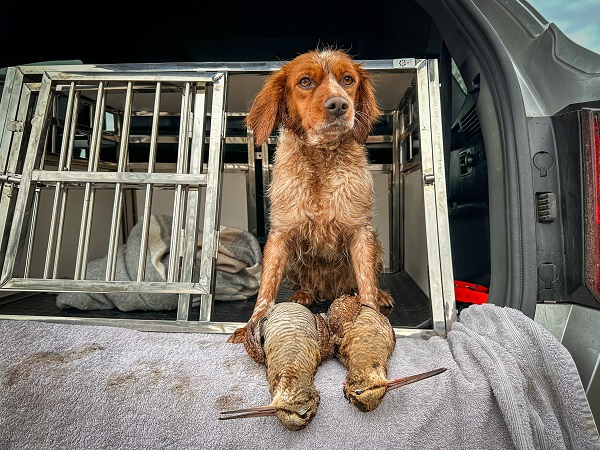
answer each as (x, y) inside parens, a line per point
(321, 239)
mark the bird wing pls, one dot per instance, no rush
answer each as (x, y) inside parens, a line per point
(253, 341)
(341, 315)
(325, 341)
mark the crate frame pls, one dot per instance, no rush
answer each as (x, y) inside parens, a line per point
(22, 88)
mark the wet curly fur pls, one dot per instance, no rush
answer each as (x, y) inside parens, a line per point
(321, 240)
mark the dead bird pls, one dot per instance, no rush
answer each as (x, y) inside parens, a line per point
(292, 342)
(363, 341)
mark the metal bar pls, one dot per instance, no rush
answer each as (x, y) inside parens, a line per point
(9, 106)
(253, 66)
(115, 88)
(80, 263)
(162, 113)
(130, 213)
(212, 203)
(64, 192)
(54, 133)
(145, 139)
(129, 210)
(13, 179)
(35, 210)
(127, 205)
(39, 125)
(31, 232)
(169, 179)
(414, 124)
(60, 285)
(13, 157)
(7, 92)
(193, 200)
(58, 187)
(377, 139)
(113, 241)
(170, 326)
(395, 222)
(172, 167)
(128, 76)
(426, 151)
(94, 158)
(402, 154)
(400, 65)
(441, 201)
(182, 160)
(175, 140)
(13, 116)
(148, 197)
(138, 324)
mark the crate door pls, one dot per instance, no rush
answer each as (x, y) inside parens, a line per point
(425, 232)
(44, 119)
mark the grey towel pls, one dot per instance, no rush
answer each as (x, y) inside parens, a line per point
(509, 385)
(239, 265)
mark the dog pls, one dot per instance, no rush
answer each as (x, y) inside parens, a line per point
(321, 193)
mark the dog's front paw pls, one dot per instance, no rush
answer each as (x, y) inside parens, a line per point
(304, 298)
(384, 299)
(238, 336)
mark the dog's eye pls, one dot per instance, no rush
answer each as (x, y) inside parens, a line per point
(348, 80)
(305, 83)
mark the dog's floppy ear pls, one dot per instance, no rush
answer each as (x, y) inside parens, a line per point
(267, 109)
(367, 111)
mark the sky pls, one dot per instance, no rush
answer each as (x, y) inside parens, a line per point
(578, 19)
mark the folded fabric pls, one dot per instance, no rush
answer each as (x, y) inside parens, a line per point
(239, 265)
(534, 386)
(509, 385)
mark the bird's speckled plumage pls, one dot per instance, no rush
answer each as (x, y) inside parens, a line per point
(291, 341)
(364, 340)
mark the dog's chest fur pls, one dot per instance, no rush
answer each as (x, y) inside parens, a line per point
(322, 193)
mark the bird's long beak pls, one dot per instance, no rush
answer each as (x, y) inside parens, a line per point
(257, 411)
(396, 383)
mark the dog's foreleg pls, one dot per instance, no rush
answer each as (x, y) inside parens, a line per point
(275, 256)
(365, 252)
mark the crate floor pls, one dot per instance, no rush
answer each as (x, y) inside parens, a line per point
(412, 308)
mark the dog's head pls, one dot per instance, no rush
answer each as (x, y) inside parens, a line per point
(320, 96)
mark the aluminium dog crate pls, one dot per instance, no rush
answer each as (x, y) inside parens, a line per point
(88, 151)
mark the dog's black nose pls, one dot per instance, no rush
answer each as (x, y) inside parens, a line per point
(336, 106)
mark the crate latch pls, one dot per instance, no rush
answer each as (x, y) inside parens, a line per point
(11, 181)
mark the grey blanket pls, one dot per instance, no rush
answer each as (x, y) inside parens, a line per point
(239, 265)
(509, 385)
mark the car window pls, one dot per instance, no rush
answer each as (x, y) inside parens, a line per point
(578, 19)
